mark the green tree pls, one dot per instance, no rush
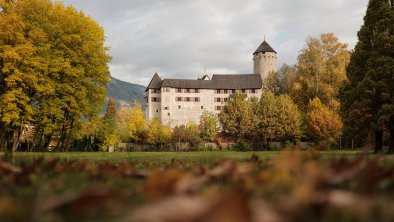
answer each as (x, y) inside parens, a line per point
(279, 118)
(187, 134)
(287, 74)
(108, 132)
(280, 82)
(238, 117)
(321, 71)
(323, 124)
(208, 126)
(53, 70)
(368, 97)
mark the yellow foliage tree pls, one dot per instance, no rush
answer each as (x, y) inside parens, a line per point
(321, 71)
(131, 123)
(324, 125)
(157, 133)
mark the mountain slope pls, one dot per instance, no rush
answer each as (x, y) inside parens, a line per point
(125, 93)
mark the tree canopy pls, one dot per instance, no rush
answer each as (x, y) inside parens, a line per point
(278, 118)
(368, 97)
(53, 70)
(321, 71)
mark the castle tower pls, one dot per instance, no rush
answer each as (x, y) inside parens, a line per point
(264, 60)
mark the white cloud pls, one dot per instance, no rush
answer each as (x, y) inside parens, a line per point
(177, 38)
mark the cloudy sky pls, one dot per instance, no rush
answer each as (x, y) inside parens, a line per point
(178, 38)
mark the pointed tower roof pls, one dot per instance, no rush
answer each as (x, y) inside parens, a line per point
(155, 82)
(264, 47)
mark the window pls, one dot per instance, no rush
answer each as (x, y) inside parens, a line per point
(218, 108)
(225, 91)
(243, 91)
(187, 90)
(179, 90)
(155, 99)
(225, 99)
(179, 107)
(157, 110)
(155, 90)
(197, 90)
(166, 89)
(187, 99)
(178, 99)
(253, 90)
(202, 107)
(233, 91)
(165, 108)
(196, 99)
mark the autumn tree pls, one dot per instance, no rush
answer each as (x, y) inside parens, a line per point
(208, 126)
(368, 97)
(131, 123)
(158, 134)
(53, 71)
(279, 118)
(238, 117)
(324, 125)
(321, 71)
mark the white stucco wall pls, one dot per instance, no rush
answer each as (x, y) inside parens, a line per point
(173, 113)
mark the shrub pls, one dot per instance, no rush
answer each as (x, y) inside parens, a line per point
(242, 146)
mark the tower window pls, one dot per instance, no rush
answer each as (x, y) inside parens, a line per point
(179, 107)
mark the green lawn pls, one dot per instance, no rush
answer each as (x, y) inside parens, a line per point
(165, 157)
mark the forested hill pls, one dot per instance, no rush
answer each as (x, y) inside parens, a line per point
(125, 92)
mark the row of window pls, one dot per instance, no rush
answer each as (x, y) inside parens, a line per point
(179, 107)
(187, 99)
(188, 90)
(221, 99)
(232, 91)
(218, 91)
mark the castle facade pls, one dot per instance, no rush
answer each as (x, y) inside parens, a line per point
(178, 101)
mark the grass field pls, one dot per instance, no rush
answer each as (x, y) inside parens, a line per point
(166, 157)
(197, 186)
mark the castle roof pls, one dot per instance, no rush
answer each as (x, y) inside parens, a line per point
(237, 81)
(264, 47)
(155, 82)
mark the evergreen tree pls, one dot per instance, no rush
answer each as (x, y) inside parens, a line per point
(108, 132)
(368, 97)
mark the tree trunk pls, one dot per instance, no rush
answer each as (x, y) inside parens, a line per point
(391, 129)
(378, 141)
(17, 136)
(3, 141)
(47, 141)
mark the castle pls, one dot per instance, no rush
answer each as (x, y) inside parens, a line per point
(177, 101)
